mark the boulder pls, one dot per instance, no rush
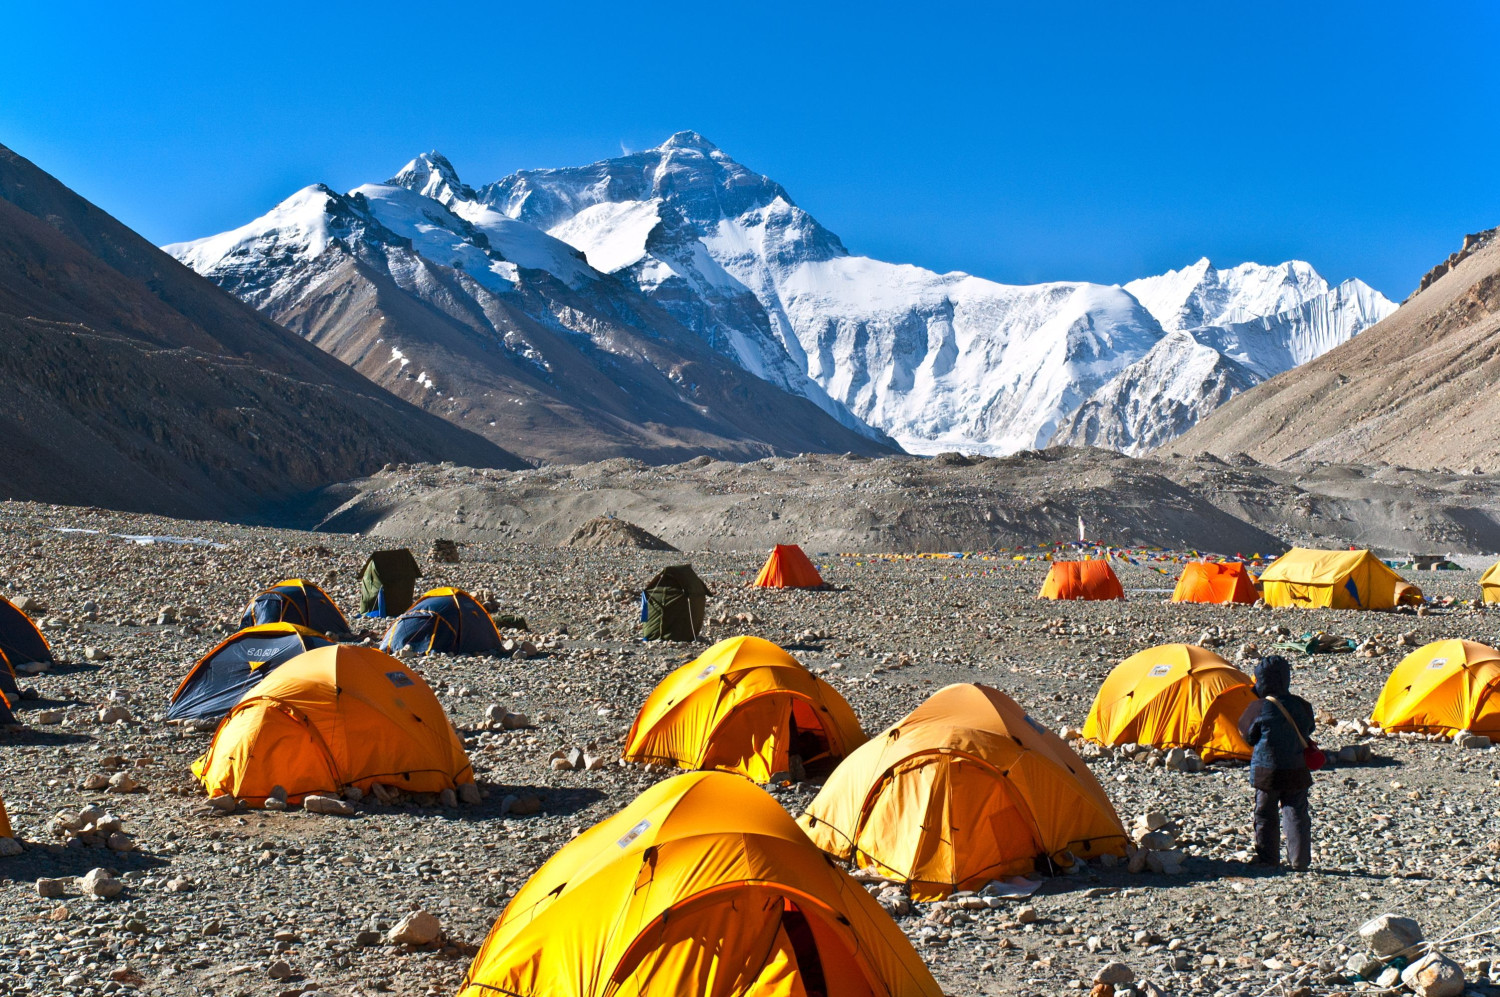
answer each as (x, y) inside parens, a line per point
(331, 805)
(416, 928)
(1114, 973)
(1434, 975)
(99, 884)
(1389, 935)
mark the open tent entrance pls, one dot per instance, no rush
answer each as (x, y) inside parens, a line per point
(744, 940)
(775, 725)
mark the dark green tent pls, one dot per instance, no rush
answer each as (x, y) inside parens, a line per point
(388, 583)
(674, 604)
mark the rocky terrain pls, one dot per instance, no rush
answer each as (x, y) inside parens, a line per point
(252, 903)
(127, 380)
(1415, 388)
(950, 502)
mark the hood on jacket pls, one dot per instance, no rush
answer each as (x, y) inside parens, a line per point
(1273, 676)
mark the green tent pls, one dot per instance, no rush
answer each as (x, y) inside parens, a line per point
(387, 585)
(674, 604)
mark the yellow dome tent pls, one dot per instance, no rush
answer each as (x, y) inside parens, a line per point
(1335, 579)
(702, 886)
(1174, 696)
(967, 788)
(744, 706)
(1489, 583)
(1441, 688)
(334, 717)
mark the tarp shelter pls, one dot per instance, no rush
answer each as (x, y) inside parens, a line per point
(674, 604)
(788, 568)
(744, 706)
(331, 718)
(1208, 581)
(1081, 580)
(1442, 688)
(965, 789)
(20, 642)
(702, 886)
(298, 601)
(444, 621)
(387, 582)
(1335, 579)
(1174, 696)
(223, 675)
(1489, 583)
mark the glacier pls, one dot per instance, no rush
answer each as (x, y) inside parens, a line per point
(934, 361)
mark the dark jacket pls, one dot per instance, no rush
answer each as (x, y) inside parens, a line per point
(1277, 761)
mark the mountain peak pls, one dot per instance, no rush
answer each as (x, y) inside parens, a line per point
(432, 175)
(689, 140)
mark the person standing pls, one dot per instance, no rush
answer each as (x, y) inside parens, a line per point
(1278, 725)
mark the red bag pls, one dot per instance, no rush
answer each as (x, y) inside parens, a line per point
(1312, 755)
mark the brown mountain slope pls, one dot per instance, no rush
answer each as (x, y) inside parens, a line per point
(126, 380)
(1414, 390)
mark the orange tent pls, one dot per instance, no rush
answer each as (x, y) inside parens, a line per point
(5, 831)
(788, 568)
(744, 706)
(1174, 696)
(335, 717)
(703, 886)
(1442, 688)
(1081, 580)
(966, 788)
(1207, 581)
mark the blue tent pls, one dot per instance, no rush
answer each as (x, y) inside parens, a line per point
(445, 620)
(295, 601)
(221, 677)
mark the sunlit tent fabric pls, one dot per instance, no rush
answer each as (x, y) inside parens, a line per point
(1489, 583)
(1174, 696)
(444, 621)
(702, 886)
(5, 831)
(223, 675)
(387, 582)
(1208, 581)
(20, 642)
(1442, 688)
(1081, 580)
(335, 717)
(298, 601)
(674, 604)
(788, 568)
(1335, 579)
(744, 706)
(965, 789)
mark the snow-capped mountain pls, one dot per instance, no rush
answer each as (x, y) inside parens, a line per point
(681, 241)
(498, 326)
(1228, 331)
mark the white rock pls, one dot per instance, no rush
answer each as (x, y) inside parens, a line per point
(10, 847)
(1389, 935)
(416, 928)
(331, 805)
(100, 885)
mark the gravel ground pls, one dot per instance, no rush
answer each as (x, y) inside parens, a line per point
(283, 903)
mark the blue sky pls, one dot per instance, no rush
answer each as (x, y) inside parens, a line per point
(1021, 142)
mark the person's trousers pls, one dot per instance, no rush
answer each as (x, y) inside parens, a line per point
(1273, 809)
